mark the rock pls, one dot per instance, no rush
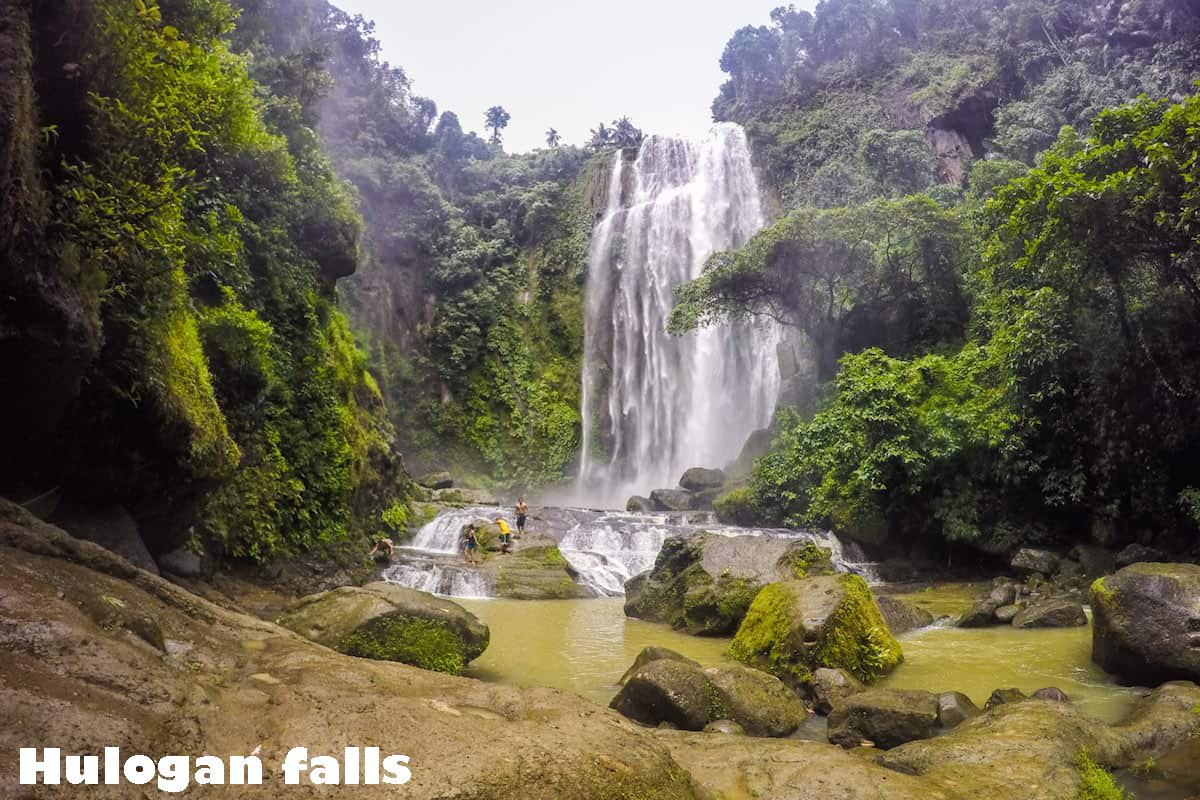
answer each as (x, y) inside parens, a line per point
(757, 445)
(980, 615)
(535, 570)
(680, 692)
(1005, 614)
(1095, 561)
(830, 686)
(1138, 553)
(233, 675)
(1051, 614)
(736, 507)
(955, 708)
(1030, 560)
(698, 479)
(1051, 693)
(1030, 750)
(886, 717)
(704, 584)
(111, 527)
(436, 480)
(666, 691)
(390, 623)
(1002, 696)
(706, 500)
(759, 702)
(671, 500)
(1146, 623)
(649, 654)
(1003, 594)
(902, 617)
(725, 726)
(639, 505)
(182, 562)
(795, 627)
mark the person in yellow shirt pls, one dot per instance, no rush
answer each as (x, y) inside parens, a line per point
(505, 535)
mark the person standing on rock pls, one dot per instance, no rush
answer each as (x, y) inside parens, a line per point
(505, 534)
(522, 512)
(470, 543)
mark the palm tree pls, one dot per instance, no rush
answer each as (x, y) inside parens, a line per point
(552, 138)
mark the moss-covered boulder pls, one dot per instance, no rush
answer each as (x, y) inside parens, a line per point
(1050, 614)
(1146, 622)
(390, 623)
(535, 570)
(649, 654)
(680, 692)
(886, 718)
(737, 507)
(704, 584)
(794, 627)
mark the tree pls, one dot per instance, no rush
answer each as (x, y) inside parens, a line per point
(885, 274)
(553, 139)
(626, 134)
(601, 137)
(496, 120)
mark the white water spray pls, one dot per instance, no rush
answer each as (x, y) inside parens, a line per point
(654, 404)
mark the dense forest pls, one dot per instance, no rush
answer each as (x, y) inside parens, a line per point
(989, 240)
(246, 268)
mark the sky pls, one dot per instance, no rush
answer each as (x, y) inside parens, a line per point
(565, 64)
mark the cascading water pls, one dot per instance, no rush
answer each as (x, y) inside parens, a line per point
(431, 563)
(656, 404)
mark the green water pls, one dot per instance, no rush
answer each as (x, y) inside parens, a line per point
(979, 660)
(584, 646)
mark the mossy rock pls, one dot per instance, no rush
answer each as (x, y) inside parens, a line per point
(678, 691)
(737, 507)
(390, 623)
(704, 584)
(535, 571)
(794, 627)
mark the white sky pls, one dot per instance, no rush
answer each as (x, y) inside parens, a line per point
(566, 64)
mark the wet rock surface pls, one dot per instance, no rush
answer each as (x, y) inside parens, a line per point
(885, 718)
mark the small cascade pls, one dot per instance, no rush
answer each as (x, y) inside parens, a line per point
(608, 549)
(431, 562)
(439, 577)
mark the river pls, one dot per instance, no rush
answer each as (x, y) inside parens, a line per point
(584, 646)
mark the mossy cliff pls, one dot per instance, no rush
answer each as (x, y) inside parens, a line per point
(172, 237)
(794, 627)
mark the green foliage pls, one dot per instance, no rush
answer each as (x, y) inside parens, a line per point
(228, 378)
(883, 274)
(1095, 782)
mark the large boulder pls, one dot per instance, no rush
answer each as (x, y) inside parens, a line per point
(1139, 553)
(436, 480)
(955, 708)
(639, 505)
(390, 623)
(1030, 749)
(831, 686)
(113, 528)
(795, 627)
(884, 717)
(699, 479)
(902, 617)
(671, 500)
(1031, 560)
(535, 570)
(1146, 622)
(679, 692)
(704, 584)
(981, 615)
(1050, 614)
(649, 654)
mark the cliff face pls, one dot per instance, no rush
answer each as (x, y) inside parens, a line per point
(168, 335)
(49, 334)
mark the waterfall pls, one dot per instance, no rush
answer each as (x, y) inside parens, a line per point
(654, 404)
